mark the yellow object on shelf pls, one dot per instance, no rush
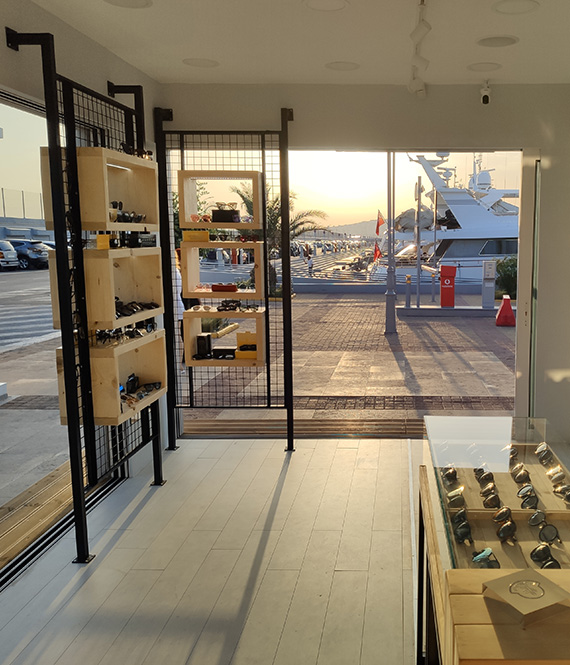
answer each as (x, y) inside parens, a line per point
(195, 236)
(103, 241)
(246, 338)
(243, 355)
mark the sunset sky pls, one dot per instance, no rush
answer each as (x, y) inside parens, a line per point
(349, 186)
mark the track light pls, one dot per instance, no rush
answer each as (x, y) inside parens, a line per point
(419, 62)
(417, 87)
(420, 31)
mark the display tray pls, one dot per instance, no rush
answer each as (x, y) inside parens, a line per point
(482, 465)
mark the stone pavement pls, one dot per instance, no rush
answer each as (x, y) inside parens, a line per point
(344, 368)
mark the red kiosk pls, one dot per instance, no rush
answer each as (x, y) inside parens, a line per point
(447, 285)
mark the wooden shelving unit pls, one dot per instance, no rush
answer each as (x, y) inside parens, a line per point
(127, 274)
(193, 327)
(188, 197)
(190, 264)
(104, 176)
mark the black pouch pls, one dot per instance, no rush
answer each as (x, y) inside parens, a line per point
(132, 383)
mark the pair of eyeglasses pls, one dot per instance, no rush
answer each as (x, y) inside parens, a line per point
(462, 533)
(485, 478)
(548, 533)
(492, 501)
(556, 475)
(485, 559)
(488, 489)
(198, 219)
(528, 496)
(455, 498)
(232, 205)
(449, 474)
(520, 474)
(542, 554)
(544, 454)
(507, 527)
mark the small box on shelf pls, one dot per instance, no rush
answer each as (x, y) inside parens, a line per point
(188, 199)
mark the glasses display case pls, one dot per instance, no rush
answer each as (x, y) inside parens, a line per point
(494, 500)
(503, 491)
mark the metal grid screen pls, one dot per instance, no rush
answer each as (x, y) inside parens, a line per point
(92, 120)
(226, 387)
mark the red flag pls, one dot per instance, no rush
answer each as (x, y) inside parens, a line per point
(377, 252)
(379, 221)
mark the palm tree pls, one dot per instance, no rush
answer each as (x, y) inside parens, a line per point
(300, 222)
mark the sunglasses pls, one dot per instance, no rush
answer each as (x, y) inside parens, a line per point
(522, 477)
(492, 501)
(460, 516)
(556, 475)
(462, 533)
(449, 474)
(197, 219)
(542, 555)
(490, 488)
(502, 515)
(455, 498)
(479, 471)
(486, 478)
(486, 559)
(507, 531)
(548, 533)
(517, 468)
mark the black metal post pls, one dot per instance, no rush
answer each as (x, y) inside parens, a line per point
(46, 42)
(286, 117)
(160, 116)
(78, 277)
(156, 447)
(137, 92)
(266, 281)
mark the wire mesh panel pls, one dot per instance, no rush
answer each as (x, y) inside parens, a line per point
(90, 120)
(228, 386)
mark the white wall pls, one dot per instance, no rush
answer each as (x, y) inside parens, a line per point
(77, 58)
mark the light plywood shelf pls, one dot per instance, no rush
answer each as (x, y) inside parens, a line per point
(190, 269)
(104, 176)
(188, 197)
(128, 274)
(193, 327)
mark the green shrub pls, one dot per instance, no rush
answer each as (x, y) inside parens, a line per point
(507, 276)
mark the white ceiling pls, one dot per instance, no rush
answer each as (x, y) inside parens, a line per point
(285, 41)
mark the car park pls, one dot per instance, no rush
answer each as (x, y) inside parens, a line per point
(31, 253)
(8, 256)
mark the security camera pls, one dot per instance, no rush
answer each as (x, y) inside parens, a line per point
(485, 94)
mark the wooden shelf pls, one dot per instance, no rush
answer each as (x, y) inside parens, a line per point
(104, 176)
(130, 275)
(190, 269)
(188, 198)
(193, 327)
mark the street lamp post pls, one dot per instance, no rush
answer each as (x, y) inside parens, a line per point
(390, 326)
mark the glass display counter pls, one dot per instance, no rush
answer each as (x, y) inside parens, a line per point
(494, 501)
(503, 491)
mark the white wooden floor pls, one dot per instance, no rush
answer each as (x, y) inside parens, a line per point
(247, 555)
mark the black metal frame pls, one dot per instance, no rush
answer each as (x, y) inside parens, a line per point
(161, 115)
(61, 97)
(427, 653)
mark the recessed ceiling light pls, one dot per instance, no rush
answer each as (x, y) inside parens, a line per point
(342, 66)
(516, 6)
(201, 62)
(498, 41)
(130, 4)
(326, 5)
(484, 66)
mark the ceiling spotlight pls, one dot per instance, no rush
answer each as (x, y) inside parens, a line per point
(342, 66)
(499, 41)
(419, 62)
(130, 4)
(484, 66)
(516, 6)
(420, 31)
(205, 63)
(326, 5)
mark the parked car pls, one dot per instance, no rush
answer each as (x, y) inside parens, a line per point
(8, 256)
(31, 253)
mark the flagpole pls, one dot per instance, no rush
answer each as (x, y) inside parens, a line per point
(390, 326)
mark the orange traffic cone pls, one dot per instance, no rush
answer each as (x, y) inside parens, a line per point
(505, 315)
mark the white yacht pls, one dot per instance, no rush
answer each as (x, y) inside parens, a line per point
(474, 223)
